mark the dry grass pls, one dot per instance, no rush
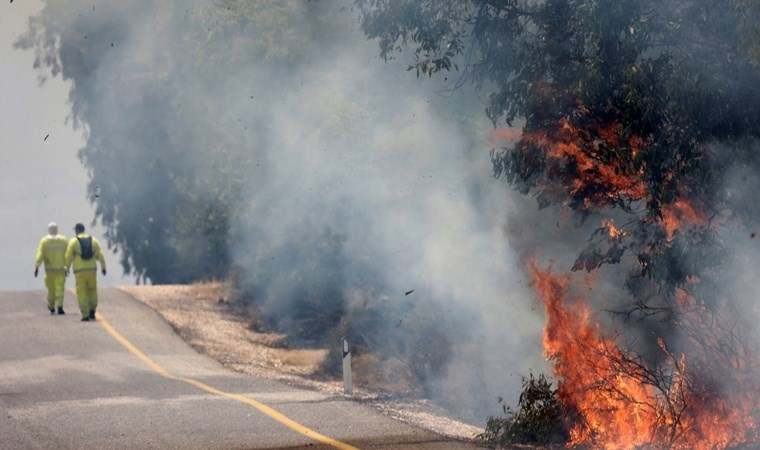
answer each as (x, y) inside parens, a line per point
(201, 315)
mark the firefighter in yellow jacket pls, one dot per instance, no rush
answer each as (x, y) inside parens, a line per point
(83, 251)
(51, 252)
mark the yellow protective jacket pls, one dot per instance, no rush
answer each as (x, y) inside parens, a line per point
(52, 252)
(74, 254)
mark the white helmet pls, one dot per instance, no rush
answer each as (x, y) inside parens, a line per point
(53, 228)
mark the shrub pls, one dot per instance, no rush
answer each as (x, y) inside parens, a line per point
(538, 419)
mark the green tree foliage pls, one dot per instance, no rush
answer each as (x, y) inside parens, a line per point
(538, 419)
(639, 107)
(636, 93)
(166, 175)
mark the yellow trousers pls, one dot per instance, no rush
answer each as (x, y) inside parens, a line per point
(55, 280)
(87, 291)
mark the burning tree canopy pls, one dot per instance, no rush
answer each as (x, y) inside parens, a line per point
(639, 115)
(622, 104)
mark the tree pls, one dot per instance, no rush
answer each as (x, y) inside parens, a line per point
(635, 106)
(637, 89)
(191, 178)
(636, 109)
(166, 160)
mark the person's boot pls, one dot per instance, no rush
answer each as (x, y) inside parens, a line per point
(52, 310)
(60, 311)
(92, 314)
(85, 319)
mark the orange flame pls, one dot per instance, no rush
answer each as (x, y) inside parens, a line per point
(601, 178)
(505, 135)
(612, 230)
(613, 407)
(602, 162)
(680, 213)
(619, 403)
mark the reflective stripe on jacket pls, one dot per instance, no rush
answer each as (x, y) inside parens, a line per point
(52, 252)
(74, 255)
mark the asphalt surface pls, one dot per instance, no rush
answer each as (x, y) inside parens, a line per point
(128, 381)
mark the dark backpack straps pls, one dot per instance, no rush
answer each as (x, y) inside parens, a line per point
(85, 247)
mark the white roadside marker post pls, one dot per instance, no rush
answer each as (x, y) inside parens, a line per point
(347, 388)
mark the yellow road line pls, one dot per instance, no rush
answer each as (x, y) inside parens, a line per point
(269, 411)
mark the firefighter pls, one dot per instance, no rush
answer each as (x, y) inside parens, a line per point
(51, 252)
(83, 251)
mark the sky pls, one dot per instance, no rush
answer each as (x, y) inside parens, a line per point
(41, 178)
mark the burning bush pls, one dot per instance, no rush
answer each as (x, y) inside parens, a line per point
(699, 395)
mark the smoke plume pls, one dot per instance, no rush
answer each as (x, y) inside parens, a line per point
(336, 182)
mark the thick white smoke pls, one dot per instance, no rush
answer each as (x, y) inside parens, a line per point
(367, 150)
(360, 176)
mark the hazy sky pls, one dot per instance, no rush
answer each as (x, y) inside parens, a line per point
(40, 179)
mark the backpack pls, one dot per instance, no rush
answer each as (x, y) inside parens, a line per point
(85, 245)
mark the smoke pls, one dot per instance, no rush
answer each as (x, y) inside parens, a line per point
(737, 286)
(375, 187)
(342, 185)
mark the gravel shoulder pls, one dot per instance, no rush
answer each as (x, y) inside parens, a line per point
(201, 314)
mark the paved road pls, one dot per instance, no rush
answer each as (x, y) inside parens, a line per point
(129, 382)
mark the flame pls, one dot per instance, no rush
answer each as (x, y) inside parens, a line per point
(505, 135)
(622, 403)
(600, 178)
(603, 174)
(681, 213)
(612, 230)
(613, 407)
